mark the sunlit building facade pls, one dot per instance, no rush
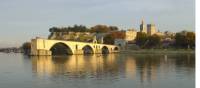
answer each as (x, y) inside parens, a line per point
(151, 29)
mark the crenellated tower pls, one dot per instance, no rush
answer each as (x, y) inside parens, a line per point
(143, 27)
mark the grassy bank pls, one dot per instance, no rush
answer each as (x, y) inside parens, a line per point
(158, 51)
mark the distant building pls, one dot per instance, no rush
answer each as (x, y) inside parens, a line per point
(130, 35)
(151, 29)
(121, 43)
(143, 27)
(160, 33)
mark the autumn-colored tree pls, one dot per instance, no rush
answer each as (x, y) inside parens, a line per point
(118, 35)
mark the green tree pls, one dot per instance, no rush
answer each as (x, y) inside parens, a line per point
(141, 39)
(26, 48)
(53, 29)
(75, 28)
(78, 28)
(190, 38)
(109, 39)
(113, 28)
(180, 40)
(185, 39)
(100, 29)
(153, 41)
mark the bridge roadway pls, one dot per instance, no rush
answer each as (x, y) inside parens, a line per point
(41, 46)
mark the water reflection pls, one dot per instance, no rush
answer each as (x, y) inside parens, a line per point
(145, 68)
(75, 65)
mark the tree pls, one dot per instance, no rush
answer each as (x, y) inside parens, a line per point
(78, 28)
(190, 38)
(118, 35)
(153, 41)
(53, 29)
(108, 39)
(113, 28)
(26, 48)
(185, 39)
(100, 29)
(75, 28)
(141, 38)
(180, 40)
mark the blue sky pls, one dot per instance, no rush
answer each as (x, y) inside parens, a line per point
(21, 20)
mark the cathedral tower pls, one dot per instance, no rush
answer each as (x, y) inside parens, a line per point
(143, 27)
(151, 29)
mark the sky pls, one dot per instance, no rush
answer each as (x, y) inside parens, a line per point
(22, 20)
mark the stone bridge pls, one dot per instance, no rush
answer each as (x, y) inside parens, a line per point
(41, 46)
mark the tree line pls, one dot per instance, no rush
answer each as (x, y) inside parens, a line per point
(82, 28)
(183, 40)
(112, 32)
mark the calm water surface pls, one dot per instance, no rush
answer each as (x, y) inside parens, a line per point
(95, 71)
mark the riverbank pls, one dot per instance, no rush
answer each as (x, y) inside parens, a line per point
(158, 51)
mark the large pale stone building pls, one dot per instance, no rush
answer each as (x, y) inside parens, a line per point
(130, 35)
(151, 29)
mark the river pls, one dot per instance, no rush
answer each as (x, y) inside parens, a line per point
(98, 71)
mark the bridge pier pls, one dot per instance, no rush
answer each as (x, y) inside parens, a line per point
(79, 51)
(98, 51)
(41, 53)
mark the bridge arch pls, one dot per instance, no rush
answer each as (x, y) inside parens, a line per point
(104, 50)
(116, 49)
(60, 49)
(88, 49)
